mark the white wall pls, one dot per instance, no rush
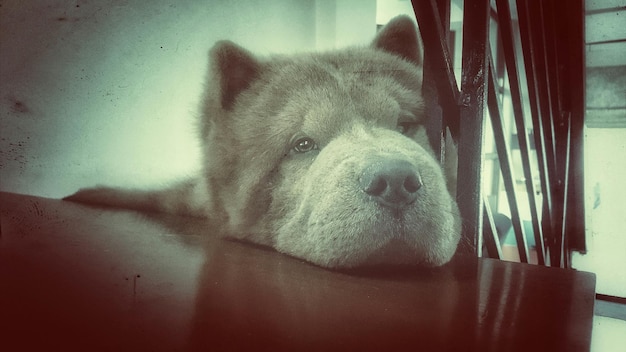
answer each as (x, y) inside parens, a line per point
(107, 92)
(605, 213)
(344, 23)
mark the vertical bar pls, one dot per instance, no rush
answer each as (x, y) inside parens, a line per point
(528, 49)
(505, 164)
(435, 43)
(574, 26)
(537, 32)
(436, 122)
(474, 98)
(553, 69)
(561, 239)
(492, 241)
(508, 43)
(567, 32)
(499, 63)
(559, 125)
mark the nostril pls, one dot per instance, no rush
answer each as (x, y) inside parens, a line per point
(376, 186)
(412, 183)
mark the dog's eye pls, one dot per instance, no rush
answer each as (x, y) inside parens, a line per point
(405, 127)
(304, 144)
(406, 122)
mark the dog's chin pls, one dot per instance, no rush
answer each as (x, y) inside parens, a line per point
(394, 252)
(412, 240)
(398, 252)
(390, 249)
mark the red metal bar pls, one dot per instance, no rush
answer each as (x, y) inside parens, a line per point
(505, 25)
(572, 27)
(435, 45)
(528, 50)
(436, 122)
(492, 242)
(505, 163)
(473, 109)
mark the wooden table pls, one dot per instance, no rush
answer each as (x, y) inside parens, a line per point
(80, 278)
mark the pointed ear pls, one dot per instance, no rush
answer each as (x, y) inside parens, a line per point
(233, 70)
(400, 37)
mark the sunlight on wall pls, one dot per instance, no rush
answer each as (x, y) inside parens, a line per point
(344, 23)
(108, 92)
(605, 195)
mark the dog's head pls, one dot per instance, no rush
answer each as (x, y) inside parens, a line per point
(325, 156)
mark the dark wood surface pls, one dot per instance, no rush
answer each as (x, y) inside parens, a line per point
(80, 278)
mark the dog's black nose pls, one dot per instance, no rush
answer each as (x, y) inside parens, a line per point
(393, 183)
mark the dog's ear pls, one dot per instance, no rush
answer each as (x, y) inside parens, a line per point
(233, 69)
(400, 37)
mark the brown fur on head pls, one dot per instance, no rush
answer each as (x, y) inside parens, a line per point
(288, 140)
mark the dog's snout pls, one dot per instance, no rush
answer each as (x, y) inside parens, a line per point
(393, 183)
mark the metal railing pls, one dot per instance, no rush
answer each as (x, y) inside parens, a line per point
(537, 64)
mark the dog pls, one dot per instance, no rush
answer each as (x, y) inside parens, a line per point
(321, 156)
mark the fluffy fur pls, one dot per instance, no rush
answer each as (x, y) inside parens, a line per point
(322, 156)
